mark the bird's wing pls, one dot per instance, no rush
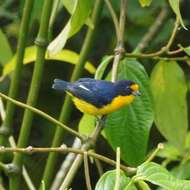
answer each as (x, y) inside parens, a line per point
(98, 93)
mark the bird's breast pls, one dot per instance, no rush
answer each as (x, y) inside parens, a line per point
(114, 105)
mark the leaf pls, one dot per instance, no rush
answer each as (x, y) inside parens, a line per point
(129, 127)
(169, 151)
(158, 175)
(107, 181)
(145, 3)
(143, 185)
(69, 5)
(87, 124)
(102, 67)
(175, 6)
(182, 171)
(186, 50)
(5, 49)
(169, 91)
(30, 56)
(80, 12)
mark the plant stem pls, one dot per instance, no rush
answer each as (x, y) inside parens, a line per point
(117, 178)
(43, 114)
(66, 109)
(155, 152)
(41, 42)
(120, 40)
(153, 30)
(63, 149)
(86, 171)
(173, 35)
(6, 127)
(114, 17)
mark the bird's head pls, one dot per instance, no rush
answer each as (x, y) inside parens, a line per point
(127, 87)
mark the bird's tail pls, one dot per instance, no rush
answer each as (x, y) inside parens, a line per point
(60, 85)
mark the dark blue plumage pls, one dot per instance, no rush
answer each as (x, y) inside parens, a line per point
(96, 92)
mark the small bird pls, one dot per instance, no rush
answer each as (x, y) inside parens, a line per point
(98, 97)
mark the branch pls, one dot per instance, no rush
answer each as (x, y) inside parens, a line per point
(153, 30)
(120, 40)
(64, 149)
(117, 178)
(86, 171)
(65, 165)
(155, 152)
(114, 17)
(43, 114)
(173, 35)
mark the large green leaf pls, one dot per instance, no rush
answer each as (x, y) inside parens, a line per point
(5, 49)
(80, 12)
(107, 181)
(145, 3)
(129, 127)
(169, 91)
(175, 6)
(158, 175)
(30, 56)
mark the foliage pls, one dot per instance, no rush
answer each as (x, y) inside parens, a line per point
(151, 47)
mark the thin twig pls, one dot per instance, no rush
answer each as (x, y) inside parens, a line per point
(25, 174)
(152, 156)
(173, 35)
(114, 17)
(120, 41)
(43, 114)
(155, 56)
(153, 30)
(117, 178)
(65, 166)
(99, 167)
(64, 149)
(86, 171)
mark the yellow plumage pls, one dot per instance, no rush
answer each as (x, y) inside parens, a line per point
(116, 103)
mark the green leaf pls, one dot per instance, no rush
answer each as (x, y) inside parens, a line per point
(69, 5)
(175, 7)
(169, 151)
(5, 49)
(169, 91)
(102, 67)
(87, 124)
(107, 181)
(143, 185)
(186, 50)
(129, 127)
(182, 171)
(30, 56)
(158, 175)
(80, 12)
(145, 3)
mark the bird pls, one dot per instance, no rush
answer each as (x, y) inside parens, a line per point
(98, 97)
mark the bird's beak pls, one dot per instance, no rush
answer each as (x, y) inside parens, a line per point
(136, 93)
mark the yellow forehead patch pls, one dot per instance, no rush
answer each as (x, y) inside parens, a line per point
(134, 87)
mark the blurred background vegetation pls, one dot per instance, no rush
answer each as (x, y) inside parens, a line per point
(139, 20)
